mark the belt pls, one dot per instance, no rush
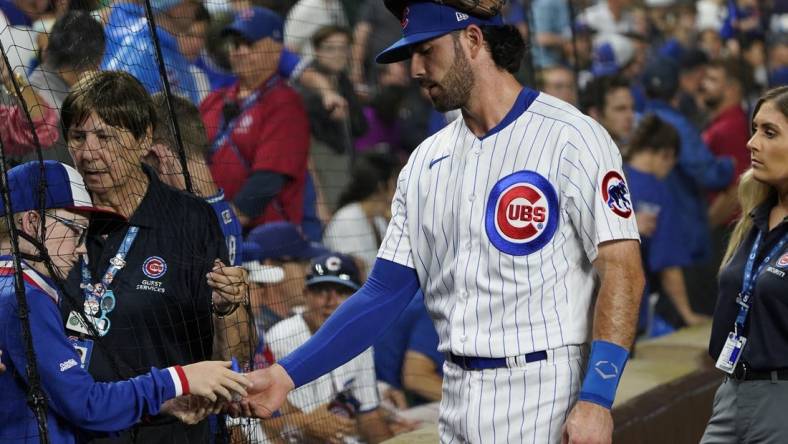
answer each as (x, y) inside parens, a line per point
(474, 363)
(743, 372)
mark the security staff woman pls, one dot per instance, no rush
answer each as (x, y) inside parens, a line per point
(749, 337)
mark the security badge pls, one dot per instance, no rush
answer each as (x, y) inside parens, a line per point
(731, 352)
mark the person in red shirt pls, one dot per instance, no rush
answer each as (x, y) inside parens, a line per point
(722, 91)
(728, 130)
(258, 127)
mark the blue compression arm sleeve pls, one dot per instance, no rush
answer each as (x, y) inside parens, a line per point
(345, 334)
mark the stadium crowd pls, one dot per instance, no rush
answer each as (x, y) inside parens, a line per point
(295, 138)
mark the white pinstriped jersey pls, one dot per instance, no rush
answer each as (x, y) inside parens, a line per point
(502, 230)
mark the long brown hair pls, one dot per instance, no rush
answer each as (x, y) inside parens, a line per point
(752, 192)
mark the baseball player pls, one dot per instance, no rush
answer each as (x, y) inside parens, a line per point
(515, 221)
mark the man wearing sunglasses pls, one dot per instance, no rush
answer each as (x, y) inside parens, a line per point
(258, 127)
(49, 244)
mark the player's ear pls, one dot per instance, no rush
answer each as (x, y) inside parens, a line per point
(475, 39)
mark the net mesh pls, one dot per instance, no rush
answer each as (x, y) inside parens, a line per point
(241, 149)
(55, 105)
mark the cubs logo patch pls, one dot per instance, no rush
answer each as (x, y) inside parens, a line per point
(782, 262)
(154, 267)
(615, 194)
(522, 213)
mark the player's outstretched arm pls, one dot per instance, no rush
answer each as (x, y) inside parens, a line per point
(353, 328)
(619, 266)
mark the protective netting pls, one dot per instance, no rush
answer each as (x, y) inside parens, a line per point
(284, 139)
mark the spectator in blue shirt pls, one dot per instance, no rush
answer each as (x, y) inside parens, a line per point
(697, 171)
(650, 158)
(75, 403)
(551, 23)
(407, 356)
(137, 52)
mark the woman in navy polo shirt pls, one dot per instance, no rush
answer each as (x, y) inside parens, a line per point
(749, 337)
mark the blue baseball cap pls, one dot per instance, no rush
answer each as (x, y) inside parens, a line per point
(256, 23)
(661, 76)
(427, 20)
(64, 188)
(612, 52)
(279, 240)
(334, 268)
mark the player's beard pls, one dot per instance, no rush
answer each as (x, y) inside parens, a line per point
(456, 85)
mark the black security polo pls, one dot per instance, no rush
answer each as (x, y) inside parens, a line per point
(163, 310)
(766, 328)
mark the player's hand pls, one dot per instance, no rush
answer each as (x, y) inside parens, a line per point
(647, 222)
(2, 367)
(588, 423)
(229, 284)
(269, 391)
(328, 427)
(188, 409)
(214, 380)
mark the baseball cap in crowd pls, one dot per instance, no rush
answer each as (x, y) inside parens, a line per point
(64, 188)
(335, 268)
(264, 274)
(426, 20)
(661, 77)
(612, 52)
(256, 23)
(279, 240)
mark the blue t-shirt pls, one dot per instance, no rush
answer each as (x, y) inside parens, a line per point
(231, 227)
(413, 330)
(549, 16)
(697, 171)
(664, 247)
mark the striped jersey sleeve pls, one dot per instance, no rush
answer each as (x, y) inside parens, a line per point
(396, 245)
(595, 192)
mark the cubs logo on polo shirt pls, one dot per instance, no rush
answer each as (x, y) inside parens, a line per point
(782, 262)
(522, 213)
(154, 267)
(615, 194)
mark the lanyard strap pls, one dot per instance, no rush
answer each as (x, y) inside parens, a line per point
(115, 264)
(228, 127)
(750, 276)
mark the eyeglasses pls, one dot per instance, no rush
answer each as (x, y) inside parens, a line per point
(79, 229)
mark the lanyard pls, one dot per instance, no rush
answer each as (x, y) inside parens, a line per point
(228, 127)
(748, 282)
(99, 299)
